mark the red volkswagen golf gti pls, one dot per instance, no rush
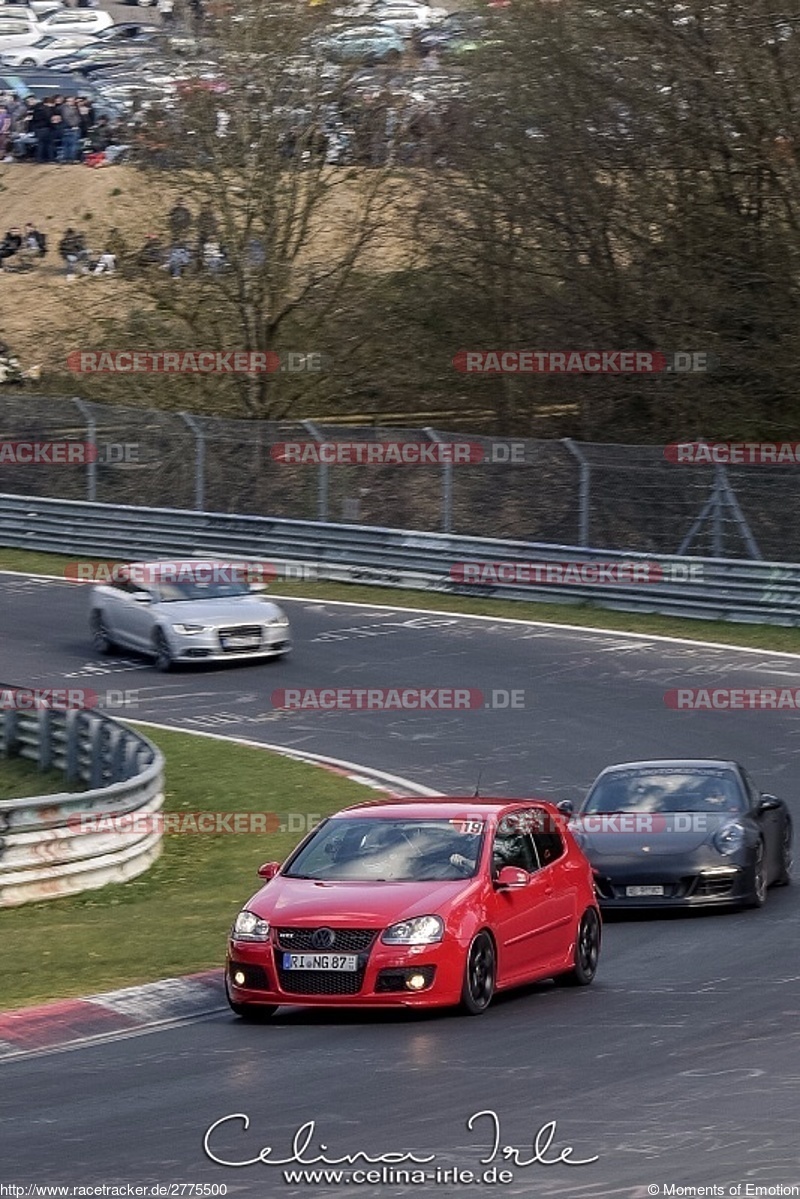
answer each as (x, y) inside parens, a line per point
(417, 903)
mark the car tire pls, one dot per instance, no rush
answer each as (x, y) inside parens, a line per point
(785, 873)
(163, 653)
(480, 973)
(586, 954)
(253, 1013)
(100, 638)
(758, 894)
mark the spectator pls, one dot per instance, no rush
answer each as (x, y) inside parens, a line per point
(41, 127)
(213, 257)
(106, 264)
(179, 259)
(151, 253)
(100, 136)
(180, 220)
(207, 227)
(71, 136)
(34, 244)
(167, 10)
(86, 114)
(5, 133)
(56, 127)
(72, 249)
(10, 245)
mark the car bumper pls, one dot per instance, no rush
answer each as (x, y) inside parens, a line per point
(442, 964)
(683, 886)
(206, 648)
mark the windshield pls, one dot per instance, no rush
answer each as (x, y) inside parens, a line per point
(169, 593)
(666, 790)
(392, 849)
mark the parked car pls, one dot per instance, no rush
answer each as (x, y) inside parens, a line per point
(15, 35)
(42, 52)
(93, 57)
(36, 7)
(683, 833)
(420, 904)
(72, 20)
(367, 44)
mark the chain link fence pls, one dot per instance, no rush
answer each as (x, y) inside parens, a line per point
(620, 497)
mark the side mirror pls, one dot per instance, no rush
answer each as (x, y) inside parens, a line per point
(767, 803)
(269, 870)
(566, 806)
(142, 597)
(511, 878)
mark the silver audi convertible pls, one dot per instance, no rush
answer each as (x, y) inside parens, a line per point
(177, 614)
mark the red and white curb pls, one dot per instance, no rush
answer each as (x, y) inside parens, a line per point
(69, 1021)
(66, 1022)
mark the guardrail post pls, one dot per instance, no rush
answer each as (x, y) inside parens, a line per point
(447, 485)
(584, 491)
(91, 438)
(322, 474)
(199, 460)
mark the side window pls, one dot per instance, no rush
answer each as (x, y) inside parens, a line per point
(753, 793)
(550, 846)
(513, 848)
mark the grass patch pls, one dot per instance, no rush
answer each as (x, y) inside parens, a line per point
(173, 919)
(20, 778)
(759, 636)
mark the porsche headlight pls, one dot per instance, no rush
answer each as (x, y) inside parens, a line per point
(192, 628)
(249, 927)
(421, 930)
(729, 838)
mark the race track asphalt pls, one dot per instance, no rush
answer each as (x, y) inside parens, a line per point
(680, 1066)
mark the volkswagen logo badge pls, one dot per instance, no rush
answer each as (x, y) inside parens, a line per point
(323, 938)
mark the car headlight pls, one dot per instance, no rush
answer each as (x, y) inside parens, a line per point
(192, 628)
(249, 927)
(421, 930)
(281, 620)
(729, 838)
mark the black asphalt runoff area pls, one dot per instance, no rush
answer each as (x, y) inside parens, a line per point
(679, 1067)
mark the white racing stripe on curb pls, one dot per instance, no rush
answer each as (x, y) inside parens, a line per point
(169, 999)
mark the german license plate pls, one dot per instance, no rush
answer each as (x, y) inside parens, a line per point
(639, 892)
(320, 961)
(241, 642)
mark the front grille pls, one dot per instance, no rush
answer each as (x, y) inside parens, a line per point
(319, 982)
(345, 940)
(714, 886)
(251, 631)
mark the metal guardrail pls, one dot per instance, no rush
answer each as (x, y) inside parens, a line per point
(722, 589)
(44, 853)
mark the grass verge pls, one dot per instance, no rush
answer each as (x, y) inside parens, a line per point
(174, 918)
(758, 636)
(20, 778)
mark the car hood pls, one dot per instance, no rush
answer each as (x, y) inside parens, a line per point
(246, 610)
(685, 833)
(297, 901)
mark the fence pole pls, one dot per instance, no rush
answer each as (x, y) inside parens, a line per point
(584, 491)
(447, 484)
(91, 439)
(199, 460)
(322, 474)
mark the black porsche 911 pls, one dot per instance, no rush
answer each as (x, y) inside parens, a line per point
(678, 833)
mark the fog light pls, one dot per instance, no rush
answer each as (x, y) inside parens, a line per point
(415, 982)
(239, 978)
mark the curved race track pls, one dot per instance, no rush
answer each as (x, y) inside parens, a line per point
(681, 1065)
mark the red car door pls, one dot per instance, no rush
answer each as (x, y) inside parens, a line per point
(529, 922)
